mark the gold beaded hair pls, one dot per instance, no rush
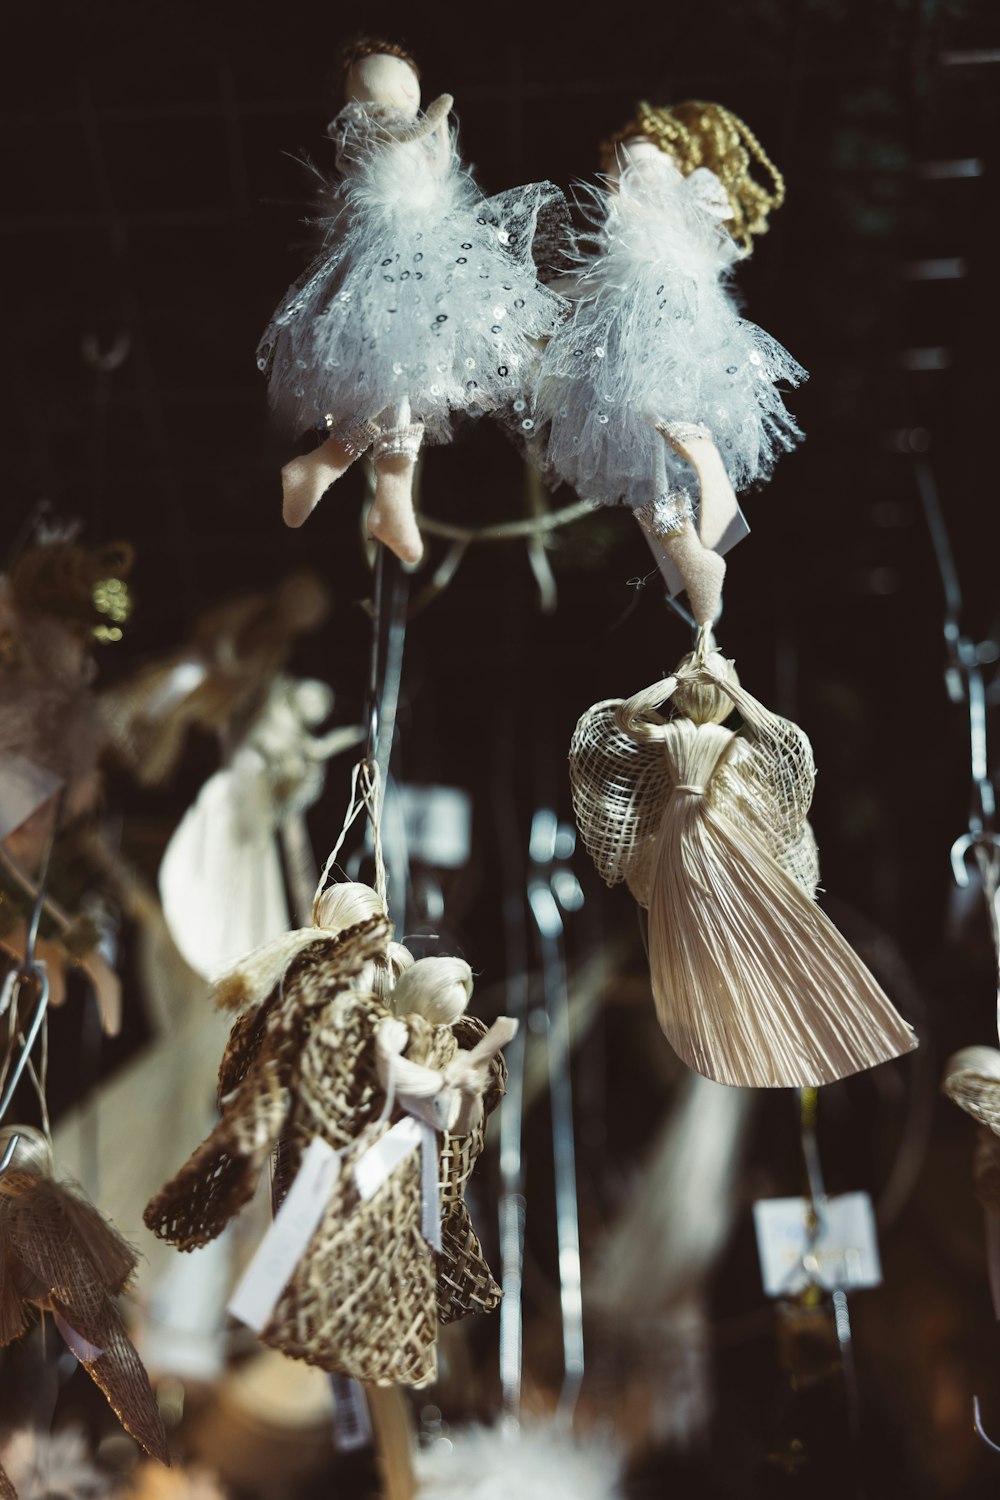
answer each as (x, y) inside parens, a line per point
(360, 47)
(82, 586)
(698, 134)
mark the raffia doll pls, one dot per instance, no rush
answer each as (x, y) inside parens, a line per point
(655, 393)
(752, 982)
(423, 303)
(58, 1255)
(340, 1036)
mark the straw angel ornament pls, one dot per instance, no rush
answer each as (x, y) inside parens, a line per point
(58, 1255)
(654, 392)
(342, 1036)
(423, 302)
(753, 984)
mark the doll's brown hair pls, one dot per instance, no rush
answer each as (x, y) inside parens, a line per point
(699, 134)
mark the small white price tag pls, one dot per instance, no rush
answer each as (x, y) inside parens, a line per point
(284, 1244)
(438, 823)
(843, 1254)
(379, 1162)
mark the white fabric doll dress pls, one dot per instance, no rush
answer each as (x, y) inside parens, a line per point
(424, 300)
(655, 340)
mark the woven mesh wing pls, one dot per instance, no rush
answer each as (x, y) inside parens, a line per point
(619, 788)
(465, 1283)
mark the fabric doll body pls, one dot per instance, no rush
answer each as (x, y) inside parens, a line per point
(655, 393)
(305, 1062)
(424, 302)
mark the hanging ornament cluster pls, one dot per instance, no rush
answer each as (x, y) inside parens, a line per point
(343, 1038)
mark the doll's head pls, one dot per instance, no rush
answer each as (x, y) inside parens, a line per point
(374, 71)
(697, 134)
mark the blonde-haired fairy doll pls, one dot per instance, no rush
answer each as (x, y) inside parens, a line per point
(655, 392)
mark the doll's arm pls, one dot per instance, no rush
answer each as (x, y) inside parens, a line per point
(434, 116)
(221, 1176)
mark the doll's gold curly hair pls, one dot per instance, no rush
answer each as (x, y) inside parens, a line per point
(360, 47)
(699, 134)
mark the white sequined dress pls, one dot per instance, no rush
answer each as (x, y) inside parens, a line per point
(424, 292)
(655, 337)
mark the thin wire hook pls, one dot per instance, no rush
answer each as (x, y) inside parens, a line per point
(979, 1429)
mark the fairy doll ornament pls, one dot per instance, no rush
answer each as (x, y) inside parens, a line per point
(655, 393)
(753, 984)
(422, 303)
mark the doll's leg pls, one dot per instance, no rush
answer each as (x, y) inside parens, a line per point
(702, 570)
(391, 518)
(305, 480)
(717, 503)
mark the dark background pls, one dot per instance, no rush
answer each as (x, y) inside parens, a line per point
(152, 191)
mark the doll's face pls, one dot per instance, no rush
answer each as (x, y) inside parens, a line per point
(384, 79)
(637, 149)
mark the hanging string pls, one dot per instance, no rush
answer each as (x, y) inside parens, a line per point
(366, 782)
(31, 972)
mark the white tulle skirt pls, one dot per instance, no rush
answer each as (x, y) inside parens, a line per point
(656, 337)
(424, 290)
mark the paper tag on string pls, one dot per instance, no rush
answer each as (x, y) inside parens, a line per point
(285, 1243)
(843, 1254)
(374, 1169)
(438, 821)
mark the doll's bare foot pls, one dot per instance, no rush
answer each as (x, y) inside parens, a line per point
(305, 480)
(391, 519)
(717, 505)
(701, 570)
